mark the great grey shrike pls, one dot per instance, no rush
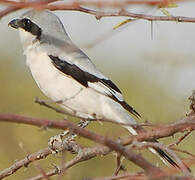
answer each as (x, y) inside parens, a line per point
(65, 74)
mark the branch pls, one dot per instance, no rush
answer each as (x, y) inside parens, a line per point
(183, 151)
(126, 152)
(43, 153)
(131, 176)
(140, 176)
(8, 10)
(124, 176)
(99, 4)
(181, 139)
(124, 13)
(85, 154)
(161, 131)
(137, 159)
(77, 6)
(157, 132)
(43, 103)
(43, 123)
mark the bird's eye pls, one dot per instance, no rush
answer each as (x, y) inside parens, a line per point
(27, 24)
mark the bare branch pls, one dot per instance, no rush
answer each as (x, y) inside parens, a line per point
(8, 10)
(77, 6)
(183, 151)
(99, 4)
(141, 176)
(85, 154)
(43, 153)
(43, 103)
(181, 138)
(128, 176)
(132, 176)
(101, 14)
(119, 166)
(159, 131)
(43, 123)
(188, 124)
(127, 153)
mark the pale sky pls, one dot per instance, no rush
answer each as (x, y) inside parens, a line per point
(131, 47)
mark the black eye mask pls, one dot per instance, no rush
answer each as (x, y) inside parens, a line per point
(31, 27)
(27, 25)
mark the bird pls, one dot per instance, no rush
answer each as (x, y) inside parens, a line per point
(66, 75)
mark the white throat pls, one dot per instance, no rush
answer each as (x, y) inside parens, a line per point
(26, 38)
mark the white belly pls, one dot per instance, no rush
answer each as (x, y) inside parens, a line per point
(76, 99)
(50, 80)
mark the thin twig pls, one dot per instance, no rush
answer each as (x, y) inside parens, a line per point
(43, 103)
(119, 166)
(182, 151)
(42, 172)
(181, 139)
(129, 176)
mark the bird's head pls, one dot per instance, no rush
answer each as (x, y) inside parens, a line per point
(42, 26)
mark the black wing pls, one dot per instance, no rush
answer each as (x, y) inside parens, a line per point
(84, 78)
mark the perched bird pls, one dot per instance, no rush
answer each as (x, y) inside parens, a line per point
(65, 74)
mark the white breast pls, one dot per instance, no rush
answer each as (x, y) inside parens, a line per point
(76, 99)
(50, 80)
(59, 87)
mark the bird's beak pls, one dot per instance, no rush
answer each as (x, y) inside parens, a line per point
(15, 23)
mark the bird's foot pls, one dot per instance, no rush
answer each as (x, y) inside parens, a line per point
(59, 142)
(55, 143)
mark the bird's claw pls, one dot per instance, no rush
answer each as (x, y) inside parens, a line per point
(55, 143)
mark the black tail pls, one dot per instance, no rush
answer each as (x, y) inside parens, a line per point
(139, 129)
(160, 152)
(166, 157)
(169, 159)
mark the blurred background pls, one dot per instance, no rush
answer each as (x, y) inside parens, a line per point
(152, 64)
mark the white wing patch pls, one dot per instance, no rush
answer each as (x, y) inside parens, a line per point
(105, 90)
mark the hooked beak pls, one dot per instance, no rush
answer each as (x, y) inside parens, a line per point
(15, 23)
